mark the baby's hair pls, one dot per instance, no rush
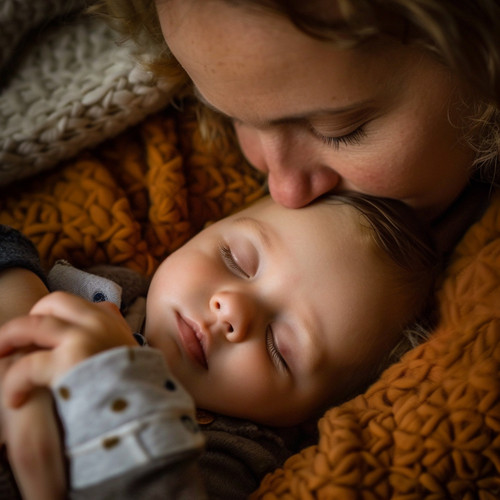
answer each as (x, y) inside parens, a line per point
(398, 233)
(405, 242)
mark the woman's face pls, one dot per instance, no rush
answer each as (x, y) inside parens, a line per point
(374, 119)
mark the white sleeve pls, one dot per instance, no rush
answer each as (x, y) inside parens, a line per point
(121, 410)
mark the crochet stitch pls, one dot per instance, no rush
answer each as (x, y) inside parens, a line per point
(429, 428)
(135, 199)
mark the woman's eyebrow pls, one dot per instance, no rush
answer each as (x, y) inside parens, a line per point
(341, 110)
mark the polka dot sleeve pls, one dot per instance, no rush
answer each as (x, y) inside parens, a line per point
(120, 410)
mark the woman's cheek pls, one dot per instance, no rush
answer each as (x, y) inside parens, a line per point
(251, 147)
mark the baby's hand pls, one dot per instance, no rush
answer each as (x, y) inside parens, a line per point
(20, 289)
(31, 435)
(64, 330)
(34, 448)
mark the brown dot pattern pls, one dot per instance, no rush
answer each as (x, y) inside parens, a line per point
(64, 392)
(131, 355)
(119, 405)
(429, 428)
(110, 442)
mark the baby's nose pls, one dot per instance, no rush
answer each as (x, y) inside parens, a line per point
(233, 312)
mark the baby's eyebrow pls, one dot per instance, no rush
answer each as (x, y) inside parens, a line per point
(263, 231)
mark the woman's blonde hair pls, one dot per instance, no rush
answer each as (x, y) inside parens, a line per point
(464, 35)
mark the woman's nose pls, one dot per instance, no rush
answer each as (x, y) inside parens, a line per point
(234, 312)
(295, 187)
(297, 172)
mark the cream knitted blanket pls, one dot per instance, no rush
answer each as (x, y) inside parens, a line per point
(66, 84)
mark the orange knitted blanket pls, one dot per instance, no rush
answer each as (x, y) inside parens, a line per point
(133, 200)
(429, 428)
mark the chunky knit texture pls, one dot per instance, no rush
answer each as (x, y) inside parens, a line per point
(19, 17)
(430, 427)
(67, 85)
(133, 200)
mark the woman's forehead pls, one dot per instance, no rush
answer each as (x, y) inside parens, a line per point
(251, 68)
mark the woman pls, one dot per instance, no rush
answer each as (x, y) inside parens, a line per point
(394, 98)
(398, 99)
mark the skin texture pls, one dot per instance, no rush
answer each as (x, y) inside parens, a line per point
(259, 314)
(61, 331)
(19, 290)
(374, 119)
(32, 438)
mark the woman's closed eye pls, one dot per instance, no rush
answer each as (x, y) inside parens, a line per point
(231, 262)
(352, 138)
(275, 354)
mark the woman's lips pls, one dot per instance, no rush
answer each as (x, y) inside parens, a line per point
(191, 341)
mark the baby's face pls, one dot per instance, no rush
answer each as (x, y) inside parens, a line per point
(272, 312)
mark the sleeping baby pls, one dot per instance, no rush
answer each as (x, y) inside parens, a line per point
(263, 320)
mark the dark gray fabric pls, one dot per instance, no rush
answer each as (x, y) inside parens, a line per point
(18, 251)
(8, 487)
(162, 481)
(238, 455)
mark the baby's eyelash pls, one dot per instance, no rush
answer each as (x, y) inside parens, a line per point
(229, 260)
(349, 139)
(274, 352)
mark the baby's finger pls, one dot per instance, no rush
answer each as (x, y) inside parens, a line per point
(30, 331)
(65, 306)
(108, 306)
(31, 371)
(73, 309)
(7, 361)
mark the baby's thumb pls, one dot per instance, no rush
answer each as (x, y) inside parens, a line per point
(26, 374)
(109, 306)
